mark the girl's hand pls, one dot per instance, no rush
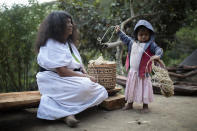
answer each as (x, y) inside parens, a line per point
(155, 57)
(117, 28)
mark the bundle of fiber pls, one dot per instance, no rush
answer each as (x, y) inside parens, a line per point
(100, 61)
(161, 78)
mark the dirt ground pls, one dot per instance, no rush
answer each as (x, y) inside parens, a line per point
(177, 113)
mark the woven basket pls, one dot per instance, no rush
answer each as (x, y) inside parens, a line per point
(105, 74)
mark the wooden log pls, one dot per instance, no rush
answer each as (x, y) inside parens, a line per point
(113, 102)
(172, 69)
(121, 80)
(185, 83)
(191, 73)
(15, 100)
(185, 90)
(183, 67)
(121, 77)
(112, 92)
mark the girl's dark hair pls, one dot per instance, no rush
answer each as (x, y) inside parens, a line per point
(54, 26)
(141, 28)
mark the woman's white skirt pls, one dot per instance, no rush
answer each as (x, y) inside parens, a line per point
(64, 96)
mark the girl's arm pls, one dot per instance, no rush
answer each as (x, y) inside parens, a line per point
(123, 37)
(155, 49)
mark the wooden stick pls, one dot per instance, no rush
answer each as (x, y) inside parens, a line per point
(183, 67)
(191, 73)
(185, 83)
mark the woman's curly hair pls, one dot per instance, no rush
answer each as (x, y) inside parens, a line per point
(54, 26)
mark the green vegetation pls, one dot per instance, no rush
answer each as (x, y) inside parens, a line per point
(17, 56)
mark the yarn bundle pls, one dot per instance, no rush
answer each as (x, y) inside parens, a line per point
(160, 78)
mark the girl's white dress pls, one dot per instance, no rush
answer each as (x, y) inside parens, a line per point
(137, 89)
(64, 96)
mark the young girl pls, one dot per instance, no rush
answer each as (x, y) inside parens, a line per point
(141, 49)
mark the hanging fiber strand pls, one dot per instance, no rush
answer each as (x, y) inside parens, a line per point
(101, 39)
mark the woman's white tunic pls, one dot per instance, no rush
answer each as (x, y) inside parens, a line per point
(64, 96)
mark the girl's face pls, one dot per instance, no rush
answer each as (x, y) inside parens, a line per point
(143, 35)
(69, 28)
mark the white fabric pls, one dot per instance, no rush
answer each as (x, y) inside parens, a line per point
(136, 55)
(56, 54)
(64, 96)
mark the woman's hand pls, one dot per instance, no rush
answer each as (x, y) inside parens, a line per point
(84, 71)
(91, 78)
(117, 28)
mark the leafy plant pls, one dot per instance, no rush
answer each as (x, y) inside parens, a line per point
(17, 58)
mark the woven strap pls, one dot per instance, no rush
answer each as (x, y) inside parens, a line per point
(73, 53)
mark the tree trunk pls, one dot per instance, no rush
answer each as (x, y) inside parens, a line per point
(119, 51)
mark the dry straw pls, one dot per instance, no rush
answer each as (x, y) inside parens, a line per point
(160, 78)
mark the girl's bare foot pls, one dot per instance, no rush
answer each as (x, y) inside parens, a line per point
(128, 106)
(71, 121)
(145, 108)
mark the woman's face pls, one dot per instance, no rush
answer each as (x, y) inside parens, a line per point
(69, 28)
(143, 35)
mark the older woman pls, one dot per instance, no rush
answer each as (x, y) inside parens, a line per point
(65, 88)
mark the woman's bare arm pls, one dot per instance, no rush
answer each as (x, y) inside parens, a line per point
(64, 71)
